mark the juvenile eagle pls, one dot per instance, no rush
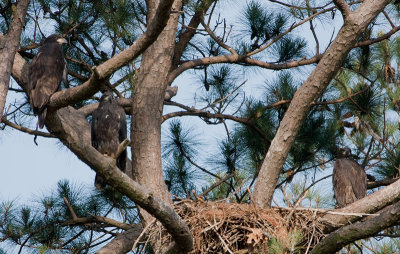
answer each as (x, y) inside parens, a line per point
(47, 69)
(108, 131)
(349, 179)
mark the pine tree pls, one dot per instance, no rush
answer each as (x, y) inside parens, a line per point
(250, 120)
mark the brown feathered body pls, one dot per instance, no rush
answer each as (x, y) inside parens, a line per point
(349, 180)
(108, 131)
(46, 71)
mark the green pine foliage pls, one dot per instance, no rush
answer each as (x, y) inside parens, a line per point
(179, 155)
(260, 25)
(360, 109)
(48, 224)
(179, 175)
(389, 167)
(289, 49)
(256, 138)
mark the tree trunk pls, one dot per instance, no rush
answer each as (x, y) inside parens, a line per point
(354, 24)
(147, 108)
(8, 46)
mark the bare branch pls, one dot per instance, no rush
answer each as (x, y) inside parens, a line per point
(27, 130)
(190, 31)
(103, 71)
(384, 182)
(121, 147)
(122, 243)
(215, 185)
(345, 235)
(369, 204)
(69, 124)
(97, 219)
(215, 38)
(343, 7)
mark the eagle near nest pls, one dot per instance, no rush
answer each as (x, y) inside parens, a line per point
(108, 131)
(46, 71)
(349, 179)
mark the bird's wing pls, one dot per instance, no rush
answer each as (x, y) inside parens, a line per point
(36, 70)
(358, 179)
(341, 183)
(122, 133)
(45, 74)
(93, 128)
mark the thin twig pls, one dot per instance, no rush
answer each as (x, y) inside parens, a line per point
(215, 185)
(220, 238)
(237, 190)
(74, 217)
(142, 233)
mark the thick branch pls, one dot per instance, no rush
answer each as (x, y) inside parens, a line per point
(98, 219)
(343, 7)
(68, 125)
(121, 147)
(348, 234)
(103, 71)
(384, 182)
(369, 204)
(190, 31)
(254, 62)
(8, 47)
(123, 242)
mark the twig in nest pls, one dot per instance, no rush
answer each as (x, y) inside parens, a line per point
(220, 238)
(312, 235)
(142, 233)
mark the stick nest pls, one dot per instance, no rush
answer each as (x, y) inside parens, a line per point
(243, 228)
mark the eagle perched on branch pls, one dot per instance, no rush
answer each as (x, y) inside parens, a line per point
(108, 131)
(46, 71)
(349, 179)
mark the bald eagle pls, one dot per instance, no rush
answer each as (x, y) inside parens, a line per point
(47, 69)
(349, 179)
(108, 131)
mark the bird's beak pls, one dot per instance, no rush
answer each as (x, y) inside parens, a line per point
(62, 40)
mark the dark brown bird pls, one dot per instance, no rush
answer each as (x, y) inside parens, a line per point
(349, 179)
(46, 71)
(108, 131)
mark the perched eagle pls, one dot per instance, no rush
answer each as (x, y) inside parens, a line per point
(349, 179)
(108, 131)
(47, 69)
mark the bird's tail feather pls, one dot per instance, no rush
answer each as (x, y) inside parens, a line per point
(42, 117)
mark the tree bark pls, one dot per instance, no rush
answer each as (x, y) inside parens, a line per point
(122, 243)
(390, 216)
(103, 71)
(68, 125)
(354, 24)
(369, 204)
(8, 46)
(147, 106)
